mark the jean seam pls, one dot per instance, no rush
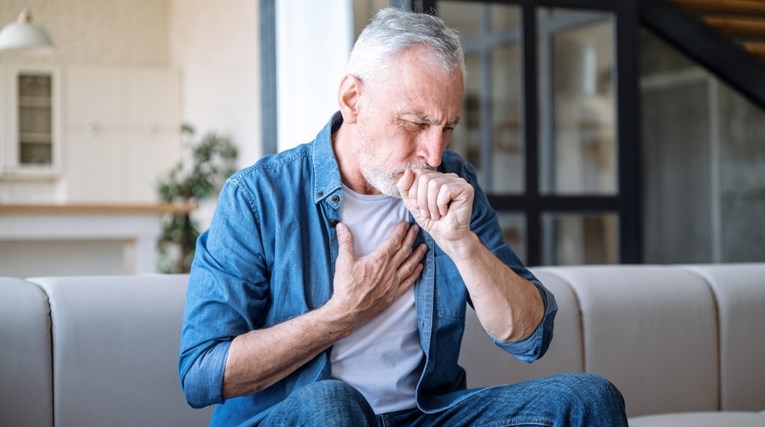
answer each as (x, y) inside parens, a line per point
(520, 422)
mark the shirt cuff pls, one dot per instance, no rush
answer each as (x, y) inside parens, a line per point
(203, 383)
(534, 346)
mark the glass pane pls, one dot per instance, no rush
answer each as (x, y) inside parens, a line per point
(657, 57)
(578, 124)
(490, 133)
(507, 148)
(514, 233)
(704, 157)
(463, 16)
(466, 139)
(363, 10)
(35, 119)
(741, 198)
(572, 239)
(676, 122)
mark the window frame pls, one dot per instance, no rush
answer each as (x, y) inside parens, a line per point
(532, 203)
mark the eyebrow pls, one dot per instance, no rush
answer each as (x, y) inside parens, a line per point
(428, 120)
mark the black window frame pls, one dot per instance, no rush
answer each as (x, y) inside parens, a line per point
(532, 203)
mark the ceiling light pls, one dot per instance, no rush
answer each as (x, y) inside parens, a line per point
(22, 34)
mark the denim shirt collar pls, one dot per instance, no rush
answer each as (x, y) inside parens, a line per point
(326, 173)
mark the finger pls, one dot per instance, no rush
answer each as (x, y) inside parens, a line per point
(404, 183)
(422, 194)
(445, 197)
(391, 246)
(419, 253)
(435, 187)
(406, 246)
(414, 258)
(411, 270)
(344, 241)
(409, 281)
(411, 235)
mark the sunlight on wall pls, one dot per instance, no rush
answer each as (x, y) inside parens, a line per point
(314, 39)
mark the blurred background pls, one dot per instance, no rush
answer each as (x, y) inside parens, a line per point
(603, 132)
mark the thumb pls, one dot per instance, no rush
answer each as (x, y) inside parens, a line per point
(344, 240)
(404, 183)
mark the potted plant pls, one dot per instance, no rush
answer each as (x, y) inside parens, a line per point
(210, 162)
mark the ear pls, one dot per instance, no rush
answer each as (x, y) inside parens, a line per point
(348, 97)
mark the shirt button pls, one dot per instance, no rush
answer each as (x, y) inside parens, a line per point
(333, 223)
(335, 199)
(319, 194)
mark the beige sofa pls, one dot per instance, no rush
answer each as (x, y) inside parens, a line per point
(685, 344)
(682, 340)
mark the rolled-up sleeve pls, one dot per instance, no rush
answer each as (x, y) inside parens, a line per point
(485, 224)
(225, 298)
(203, 382)
(535, 345)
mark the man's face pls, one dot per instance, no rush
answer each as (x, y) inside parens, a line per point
(406, 121)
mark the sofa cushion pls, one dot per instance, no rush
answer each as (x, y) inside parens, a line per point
(701, 419)
(740, 293)
(488, 365)
(116, 343)
(26, 393)
(652, 331)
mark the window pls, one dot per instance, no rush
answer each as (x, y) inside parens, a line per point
(556, 150)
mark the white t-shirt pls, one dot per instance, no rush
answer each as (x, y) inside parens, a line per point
(382, 357)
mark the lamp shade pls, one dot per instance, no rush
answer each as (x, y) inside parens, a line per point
(22, 34)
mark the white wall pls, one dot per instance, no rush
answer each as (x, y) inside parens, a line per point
(314, 38)
(86, 32)
(112, 34)
(216, 47)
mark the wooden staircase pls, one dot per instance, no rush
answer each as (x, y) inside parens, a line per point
(742, 21)
(727, 37)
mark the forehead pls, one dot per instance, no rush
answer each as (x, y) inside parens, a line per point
(417, 80)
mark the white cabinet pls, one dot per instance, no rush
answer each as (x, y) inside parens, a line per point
(87, 134)
(30, 133)
(122, 131)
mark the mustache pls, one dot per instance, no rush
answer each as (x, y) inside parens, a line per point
(413, 166)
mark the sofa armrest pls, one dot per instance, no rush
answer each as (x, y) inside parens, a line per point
(26, 391)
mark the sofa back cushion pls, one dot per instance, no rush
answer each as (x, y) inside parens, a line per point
(116, 343)
(652, 331)
(487, 365)
(740, 293)
(26, 394)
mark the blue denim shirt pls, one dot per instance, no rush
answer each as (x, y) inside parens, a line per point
(269, 255)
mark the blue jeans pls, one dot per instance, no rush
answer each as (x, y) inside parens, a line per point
(562, 400)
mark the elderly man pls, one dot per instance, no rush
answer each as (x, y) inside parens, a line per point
(332, 284)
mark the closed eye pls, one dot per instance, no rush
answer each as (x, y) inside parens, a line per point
(416, 125)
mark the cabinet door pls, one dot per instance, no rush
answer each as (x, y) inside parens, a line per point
(151, 115)
(31, 120)
(93, 99)
(95, 166)
(151, 100)
(122, 132)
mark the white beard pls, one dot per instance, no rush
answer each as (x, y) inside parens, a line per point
(377, 174)
(385, 181)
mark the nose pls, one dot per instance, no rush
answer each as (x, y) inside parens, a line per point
(431, 145)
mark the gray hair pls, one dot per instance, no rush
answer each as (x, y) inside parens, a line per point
(392, 31)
